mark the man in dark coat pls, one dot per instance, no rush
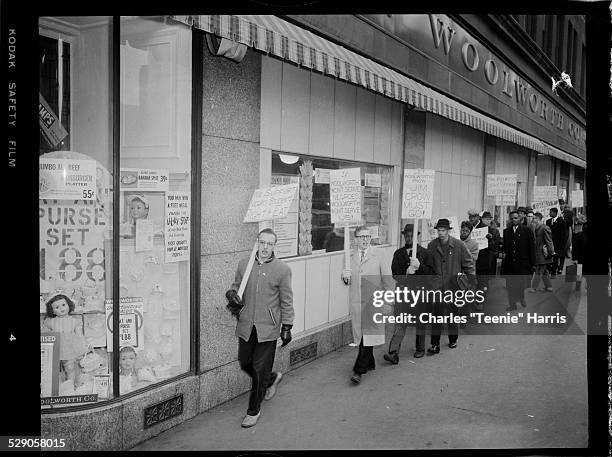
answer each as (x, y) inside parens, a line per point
(519, 260)
(486, 264)
(450, 257)
(558, 229)
(411, 274)
(545, 251)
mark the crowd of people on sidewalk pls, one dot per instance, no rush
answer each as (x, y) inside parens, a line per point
(531, 250)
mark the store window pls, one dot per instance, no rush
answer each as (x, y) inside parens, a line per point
(155, 201)
(76, 103)
(75, 209)
(307, 229)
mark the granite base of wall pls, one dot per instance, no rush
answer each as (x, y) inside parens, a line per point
(121, 426)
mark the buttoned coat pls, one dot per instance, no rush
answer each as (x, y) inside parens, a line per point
(543, 238)
(519, 249)
(459, 261)
(374, 273)
(267, 299)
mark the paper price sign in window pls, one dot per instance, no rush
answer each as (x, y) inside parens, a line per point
(177, 228)
(144, 179)
(345, 196)
(66, 179)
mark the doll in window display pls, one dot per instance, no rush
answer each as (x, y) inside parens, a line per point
(72, 341)
(139, 209)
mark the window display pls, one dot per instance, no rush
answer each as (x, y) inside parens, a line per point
(309, 226)
(76, 207)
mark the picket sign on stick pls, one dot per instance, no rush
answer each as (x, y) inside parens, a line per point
(417, 199)
(266, 204)
(347, 247)
(345, 203)
(415, 234)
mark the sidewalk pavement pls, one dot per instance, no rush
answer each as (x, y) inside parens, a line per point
(492, 391)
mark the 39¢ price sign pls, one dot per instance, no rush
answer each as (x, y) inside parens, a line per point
(71, 241)
(178, 226)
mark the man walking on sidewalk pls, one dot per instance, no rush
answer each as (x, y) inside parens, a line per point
(450, 257)
(519, 260)
(411, 274)
(369, 272)
(266, 314)
(544, 251)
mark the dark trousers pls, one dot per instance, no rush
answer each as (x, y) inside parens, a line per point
(516, 285)
(399, 331)
(365, 359)
(257, 359)
(442, 309)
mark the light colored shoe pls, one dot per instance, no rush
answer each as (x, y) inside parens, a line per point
(271, 391)
(532, 290)
(549, 289)
(249, 421)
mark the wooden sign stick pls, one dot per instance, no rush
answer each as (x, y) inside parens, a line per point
(247, 272)
(347, 248)
(415, 233)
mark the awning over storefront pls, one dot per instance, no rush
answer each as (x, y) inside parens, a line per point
(277, 37)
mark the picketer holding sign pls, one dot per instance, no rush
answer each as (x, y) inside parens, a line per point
(261, 298)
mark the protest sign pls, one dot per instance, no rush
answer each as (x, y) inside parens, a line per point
(501, 185)
(271, 203)
(286, 228)
(66, 179)
(345, 196)
(545, 206)
(505, 200)
(577, 198)
(544, 193)
(480, 235)
(417, 196)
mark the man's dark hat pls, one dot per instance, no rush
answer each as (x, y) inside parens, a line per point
(486, 214)
(443, 223)
(409, 228)
(522, 209)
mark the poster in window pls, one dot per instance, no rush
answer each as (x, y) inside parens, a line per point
(67, 179)
(131, 323)
(71, 237)
(144, 179)
(49, 364)
(177, 226)
(144, 235)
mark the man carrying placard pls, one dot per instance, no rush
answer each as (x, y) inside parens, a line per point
(265, 313)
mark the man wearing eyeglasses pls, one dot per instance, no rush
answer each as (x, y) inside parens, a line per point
(369, 272)
(266, 314)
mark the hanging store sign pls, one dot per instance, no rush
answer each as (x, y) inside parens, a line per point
(50, 125)
(144, 179)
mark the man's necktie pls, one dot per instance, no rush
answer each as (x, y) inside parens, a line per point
(362, 255)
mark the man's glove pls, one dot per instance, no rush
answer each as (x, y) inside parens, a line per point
(234, 303)
(286, 334)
